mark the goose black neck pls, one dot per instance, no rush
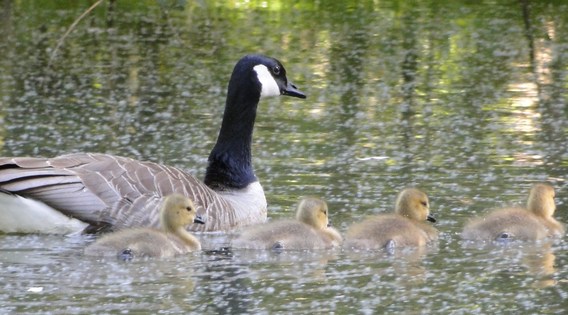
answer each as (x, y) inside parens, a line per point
(230, 161)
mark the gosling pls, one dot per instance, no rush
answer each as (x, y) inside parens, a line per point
(535, 222)
(172, 239)
(310, 230)
(404, 228)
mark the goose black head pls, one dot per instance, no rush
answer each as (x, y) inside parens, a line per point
(253, 77)
(270, 76)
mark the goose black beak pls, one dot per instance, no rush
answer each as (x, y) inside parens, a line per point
(292, 90)
(199, 220)
(431, 218)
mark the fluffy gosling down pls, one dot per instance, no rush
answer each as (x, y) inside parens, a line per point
(310, 230)
(534, 222)
(404, 228)
(172, 239)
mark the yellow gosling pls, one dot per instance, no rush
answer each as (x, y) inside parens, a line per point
(405, 228)
(534, 222)
(310, 230)
(172, 239)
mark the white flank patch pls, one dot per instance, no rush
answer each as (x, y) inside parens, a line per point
(249, 203)
(23, 215)
(269, 85)
(35, 289)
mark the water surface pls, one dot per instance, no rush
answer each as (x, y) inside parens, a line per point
(466, 100)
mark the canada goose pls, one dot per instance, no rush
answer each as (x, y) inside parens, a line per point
(171, 239)
(310, 230)
(531, 223)
(105, 192)
(405, 228)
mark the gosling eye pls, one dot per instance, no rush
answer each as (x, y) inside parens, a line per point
(424, 203)
(276, 70)
(188, 209)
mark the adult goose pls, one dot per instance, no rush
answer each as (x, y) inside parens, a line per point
(94, 192)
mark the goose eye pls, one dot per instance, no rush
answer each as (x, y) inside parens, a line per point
(276, 70)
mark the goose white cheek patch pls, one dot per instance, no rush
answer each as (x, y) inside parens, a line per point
(269, 85)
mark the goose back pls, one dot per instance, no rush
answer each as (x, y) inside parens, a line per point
(111, 191)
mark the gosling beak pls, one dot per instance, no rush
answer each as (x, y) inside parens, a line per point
(292, 90)
(199, 220)
(431, 218)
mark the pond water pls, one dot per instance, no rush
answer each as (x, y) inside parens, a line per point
(466, 100)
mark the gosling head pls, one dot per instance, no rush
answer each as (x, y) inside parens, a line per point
(413, 204)
(178, 211)
(313, 211)
(541, 200)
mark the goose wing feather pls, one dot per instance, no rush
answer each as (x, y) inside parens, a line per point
(59, 188)
(115, 190)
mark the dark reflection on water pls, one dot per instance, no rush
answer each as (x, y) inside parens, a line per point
(466, 100)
